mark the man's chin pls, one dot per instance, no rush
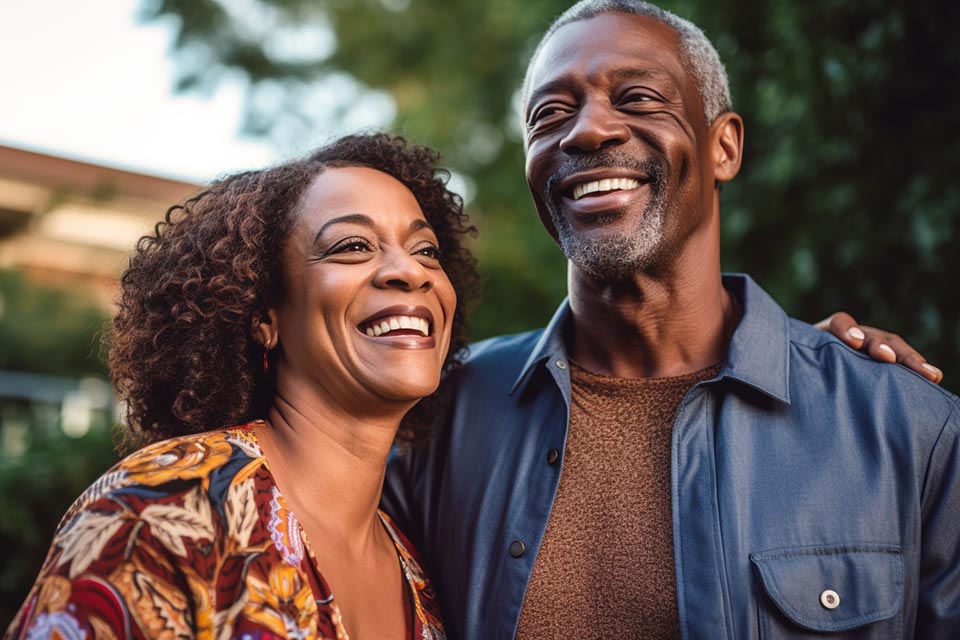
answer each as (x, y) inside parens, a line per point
(603, 260)
(616, 225)
(607, 253)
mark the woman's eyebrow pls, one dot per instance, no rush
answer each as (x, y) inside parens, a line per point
(350, 218)
(420, 223)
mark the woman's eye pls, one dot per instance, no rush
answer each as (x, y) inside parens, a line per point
(430, 251)
(351, 245)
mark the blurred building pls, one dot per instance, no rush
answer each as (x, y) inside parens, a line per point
(72, 224)
(68, 225)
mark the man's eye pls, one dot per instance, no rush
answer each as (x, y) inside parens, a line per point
(638, 97)
(545, 112)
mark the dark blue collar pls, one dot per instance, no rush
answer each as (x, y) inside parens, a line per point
(759, 353)
(759, 349)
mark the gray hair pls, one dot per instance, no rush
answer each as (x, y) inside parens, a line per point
(698, 55)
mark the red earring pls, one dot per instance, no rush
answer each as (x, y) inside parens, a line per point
(266, 358)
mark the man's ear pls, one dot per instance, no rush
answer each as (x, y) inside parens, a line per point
(265, 328)
(726, 136)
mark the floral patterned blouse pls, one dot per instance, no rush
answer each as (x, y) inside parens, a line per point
(190, 537)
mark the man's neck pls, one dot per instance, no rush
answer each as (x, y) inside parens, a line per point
(656, 325)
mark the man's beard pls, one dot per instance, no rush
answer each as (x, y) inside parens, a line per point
(620, 255)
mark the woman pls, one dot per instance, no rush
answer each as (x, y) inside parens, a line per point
(272, 337)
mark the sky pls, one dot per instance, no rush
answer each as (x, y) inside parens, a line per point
(86, 81)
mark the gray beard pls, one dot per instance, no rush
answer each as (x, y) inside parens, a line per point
(621, 255)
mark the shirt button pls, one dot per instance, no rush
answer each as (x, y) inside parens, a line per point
(829, 599)
(552, 456)
(517, 548)
(561, 364)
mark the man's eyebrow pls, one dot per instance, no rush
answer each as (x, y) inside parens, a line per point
(554, 86)
(623, 74)
(618, 75)
(350, 218)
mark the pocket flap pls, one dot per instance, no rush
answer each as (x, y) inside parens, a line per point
(833, 588)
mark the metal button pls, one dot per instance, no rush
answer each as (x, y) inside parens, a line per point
(552, 456)
(517, 548)
(561, 364)
(829, 599)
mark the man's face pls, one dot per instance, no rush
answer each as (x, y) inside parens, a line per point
(616, 144)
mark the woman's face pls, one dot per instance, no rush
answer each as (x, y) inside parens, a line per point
(368, 309)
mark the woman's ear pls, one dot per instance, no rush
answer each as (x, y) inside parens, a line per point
(265, 328)
(727, 145)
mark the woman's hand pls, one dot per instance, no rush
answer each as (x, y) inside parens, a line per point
(878, 344)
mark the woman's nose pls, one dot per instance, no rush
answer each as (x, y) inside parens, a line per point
(399, 270)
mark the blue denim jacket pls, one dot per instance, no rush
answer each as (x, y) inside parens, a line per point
(816, 493)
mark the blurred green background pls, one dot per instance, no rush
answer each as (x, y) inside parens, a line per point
(847, 198)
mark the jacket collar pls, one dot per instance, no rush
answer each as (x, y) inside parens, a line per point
(759, 353)
(759, 349)
(550, 345)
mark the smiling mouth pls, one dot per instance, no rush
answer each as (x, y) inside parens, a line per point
(603, 187)
(397, 325)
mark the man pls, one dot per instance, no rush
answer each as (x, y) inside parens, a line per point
(672, 456)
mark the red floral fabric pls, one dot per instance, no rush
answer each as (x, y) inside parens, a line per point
(190, 537)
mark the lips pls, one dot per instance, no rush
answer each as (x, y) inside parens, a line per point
(399, 321)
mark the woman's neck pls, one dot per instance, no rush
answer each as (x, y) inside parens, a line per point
(330, 465)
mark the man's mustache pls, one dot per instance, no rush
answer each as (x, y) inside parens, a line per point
(654, 168)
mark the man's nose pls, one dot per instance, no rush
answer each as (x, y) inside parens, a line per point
(400, 270)
(596, 125)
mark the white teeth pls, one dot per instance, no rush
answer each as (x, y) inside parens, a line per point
(394, 323)
(606, 184)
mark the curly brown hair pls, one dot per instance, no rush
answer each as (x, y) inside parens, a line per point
(182, 355)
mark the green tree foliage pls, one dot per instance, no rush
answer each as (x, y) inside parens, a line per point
(36, 489)
(42, 331)
(846, 200)
(47, 331)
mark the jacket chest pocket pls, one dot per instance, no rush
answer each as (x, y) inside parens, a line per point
(838, 591)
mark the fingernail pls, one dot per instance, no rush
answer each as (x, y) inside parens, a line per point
(886, 348)
(932, 369)
(856, 333)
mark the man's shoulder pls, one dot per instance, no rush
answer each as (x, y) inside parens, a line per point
(493, 365)
(817, 353)
(503, 350)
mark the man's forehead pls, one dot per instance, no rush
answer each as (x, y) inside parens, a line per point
(606, 42)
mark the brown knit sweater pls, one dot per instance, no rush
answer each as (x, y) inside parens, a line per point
(605, 568)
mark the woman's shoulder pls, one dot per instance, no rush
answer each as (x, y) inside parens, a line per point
(209, 461)
(197, 451)
(153, 534)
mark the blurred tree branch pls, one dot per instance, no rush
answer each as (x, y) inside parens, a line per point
(847, 198)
